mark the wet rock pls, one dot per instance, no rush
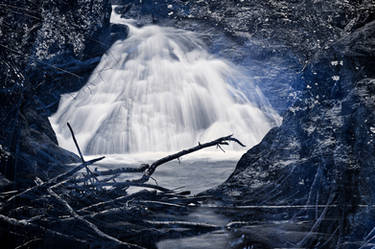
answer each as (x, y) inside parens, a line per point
(274, 39)
(46, 49)
(118, 32)
(322, 154)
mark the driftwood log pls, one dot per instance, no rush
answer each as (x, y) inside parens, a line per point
(74, 210)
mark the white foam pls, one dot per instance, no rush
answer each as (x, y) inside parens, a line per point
(160, 90)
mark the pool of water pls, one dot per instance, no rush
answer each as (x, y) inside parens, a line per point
(199, 172)
(217, 239)
(195, 173)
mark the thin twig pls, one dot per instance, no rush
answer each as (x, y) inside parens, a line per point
(183, 224)
(143, 193)
(28, 243)
(75, 142)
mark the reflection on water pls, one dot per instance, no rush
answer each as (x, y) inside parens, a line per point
(195, 173)
(199, 172)
(236, 227)
(216, 239)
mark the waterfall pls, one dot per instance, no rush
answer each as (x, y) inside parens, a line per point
(160, 90)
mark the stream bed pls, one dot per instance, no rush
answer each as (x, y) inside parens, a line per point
(195, 173)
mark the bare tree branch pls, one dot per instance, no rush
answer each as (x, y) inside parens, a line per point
(75, 142)
(220, 141)
(92, 226)
(56, 181)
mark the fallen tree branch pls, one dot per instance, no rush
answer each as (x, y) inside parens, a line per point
(113, 212)
(82, 200)
(92, 226)
(220, 141)
(28, 243)
(120, 185)
(89, 172)
(56, 181)
(38, 230)
(182, 224)
(121, 171)
(114, 172)
(161, 204)
(150, 169)
(142, 193)
(75, 142)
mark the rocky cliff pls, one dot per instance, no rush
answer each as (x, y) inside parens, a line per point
(46, 48)
(275, 40)
(323, 153)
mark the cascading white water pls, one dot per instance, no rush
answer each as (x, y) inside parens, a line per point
(160, 90)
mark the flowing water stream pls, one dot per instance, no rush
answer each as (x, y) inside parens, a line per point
(160, 91)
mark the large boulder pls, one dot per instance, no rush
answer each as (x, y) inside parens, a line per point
(322, 156)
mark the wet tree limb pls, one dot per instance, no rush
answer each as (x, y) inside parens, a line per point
(220, 141)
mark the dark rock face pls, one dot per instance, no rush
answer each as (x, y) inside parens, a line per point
(323, 153)
(273, 39)
(46, 48)
(268, 68)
